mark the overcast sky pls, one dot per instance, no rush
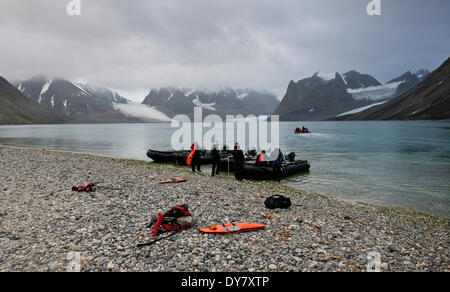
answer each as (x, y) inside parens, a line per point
(132, 46)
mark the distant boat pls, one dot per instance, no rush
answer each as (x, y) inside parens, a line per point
(300, 131)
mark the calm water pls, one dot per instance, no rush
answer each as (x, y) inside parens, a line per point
(390, 163)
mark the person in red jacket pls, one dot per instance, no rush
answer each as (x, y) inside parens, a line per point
(196, 160)
(261, 159)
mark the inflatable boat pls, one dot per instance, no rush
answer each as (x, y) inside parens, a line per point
(300, 131)
(227, 162)
(178, 157)
(250, 170)
(165, 156)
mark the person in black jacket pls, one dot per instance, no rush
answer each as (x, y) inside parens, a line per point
(278, 159)
(196, 159)
(215, 154)
(238, 156)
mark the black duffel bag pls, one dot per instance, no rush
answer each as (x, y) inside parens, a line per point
(277, 202)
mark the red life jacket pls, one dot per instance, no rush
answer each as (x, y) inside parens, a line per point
(260, 158)
(87, 188)
(175, 212)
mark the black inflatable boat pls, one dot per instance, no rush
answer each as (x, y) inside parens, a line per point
(250, 170)
(178, 157)
(227, 162)
(165, 156)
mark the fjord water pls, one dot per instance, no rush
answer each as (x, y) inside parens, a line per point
(404, 164)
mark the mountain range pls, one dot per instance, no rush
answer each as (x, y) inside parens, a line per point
(429, 100)
(88, 103)
(323, 96)
(82, 103)
(348, 96)
(228, 101)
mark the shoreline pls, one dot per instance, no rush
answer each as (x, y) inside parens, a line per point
(324, 234)
(291, 188)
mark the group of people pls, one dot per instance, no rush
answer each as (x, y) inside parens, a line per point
(238, 156)
(275, 159)
(302, 130)
(196, 160)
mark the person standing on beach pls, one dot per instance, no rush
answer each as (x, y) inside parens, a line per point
(196, 160)
(277, 163)
(215, 154)
(239, 158)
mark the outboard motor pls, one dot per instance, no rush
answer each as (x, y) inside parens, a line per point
(290, 157)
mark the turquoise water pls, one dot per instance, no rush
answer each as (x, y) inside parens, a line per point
(390, 163)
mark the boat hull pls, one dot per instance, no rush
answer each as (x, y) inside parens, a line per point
(256, 172)
(178, 157)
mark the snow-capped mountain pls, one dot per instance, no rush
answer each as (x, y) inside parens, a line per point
(227, 101)
(317, 98)
(429, 100)
(324, 96)
(102, 93)
(355, 80)
(391, 89)
(409, 80)
(15, 108)
(81, 102)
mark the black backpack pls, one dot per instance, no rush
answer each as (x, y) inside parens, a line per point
(277, 201)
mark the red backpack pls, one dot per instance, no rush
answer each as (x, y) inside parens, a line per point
(173, 220)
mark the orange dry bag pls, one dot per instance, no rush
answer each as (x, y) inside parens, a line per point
(191, 155)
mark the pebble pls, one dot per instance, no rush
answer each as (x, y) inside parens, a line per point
(111, 266)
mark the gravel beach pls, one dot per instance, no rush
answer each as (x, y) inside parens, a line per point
(42, 221)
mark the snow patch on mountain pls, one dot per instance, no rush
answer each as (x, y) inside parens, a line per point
(375, 92)
(242, 95)
(141, 111)
(326, 76)
(209, 106)
(189, 92)
(45, 87)
(361, 109)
